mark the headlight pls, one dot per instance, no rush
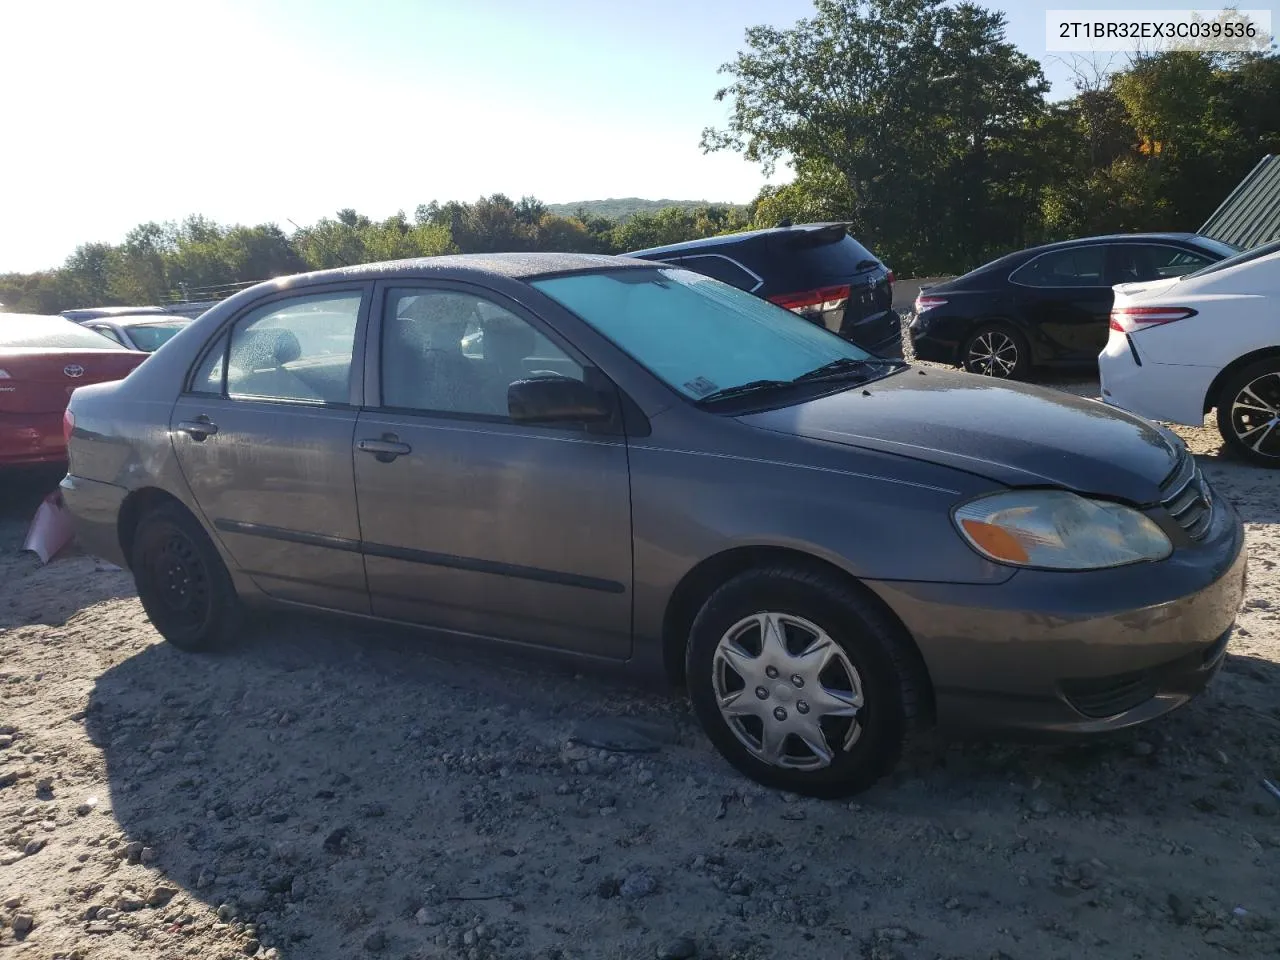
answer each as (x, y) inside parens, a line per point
(1058, 530)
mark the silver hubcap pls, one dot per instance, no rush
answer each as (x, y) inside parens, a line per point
(1255, 415)
(993, 353)
(787, 691)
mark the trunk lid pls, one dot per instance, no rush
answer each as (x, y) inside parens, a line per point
(40, 380)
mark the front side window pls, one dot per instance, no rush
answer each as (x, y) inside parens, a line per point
(447, 351)
(1077, 267)
(1253, 253)
(698, 335)
(295, 349)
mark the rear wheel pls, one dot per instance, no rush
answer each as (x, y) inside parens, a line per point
(996, 350)
(1249, 413)
(182, 582)
(801, 682)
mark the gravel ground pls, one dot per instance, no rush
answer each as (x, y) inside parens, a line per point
(330, 791)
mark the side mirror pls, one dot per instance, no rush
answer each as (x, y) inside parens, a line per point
(554, 400)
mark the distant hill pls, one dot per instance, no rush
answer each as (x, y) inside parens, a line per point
(624, 207)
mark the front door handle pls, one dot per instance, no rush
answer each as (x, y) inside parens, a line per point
(198, 429)
(384, 449)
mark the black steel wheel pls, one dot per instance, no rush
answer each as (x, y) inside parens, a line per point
(182, 582)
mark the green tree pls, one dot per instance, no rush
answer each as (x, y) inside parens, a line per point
(884, 107)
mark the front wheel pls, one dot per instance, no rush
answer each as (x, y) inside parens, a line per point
(182, 582)
(996, 350)
(1249, 413)
(801, 682)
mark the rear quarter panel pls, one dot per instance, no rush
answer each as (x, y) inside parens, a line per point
(1227, 326)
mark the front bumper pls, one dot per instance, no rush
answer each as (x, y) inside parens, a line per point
(95, 513)
(1085, 652)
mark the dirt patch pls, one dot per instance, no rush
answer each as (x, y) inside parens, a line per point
(326, 791)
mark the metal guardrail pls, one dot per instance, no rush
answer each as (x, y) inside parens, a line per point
(186, 294)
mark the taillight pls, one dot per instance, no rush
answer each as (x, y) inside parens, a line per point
(68, 425)
(892, 278)
(1130, 319)
(824, 298)
(924, 303)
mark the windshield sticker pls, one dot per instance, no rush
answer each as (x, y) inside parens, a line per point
(701, 386)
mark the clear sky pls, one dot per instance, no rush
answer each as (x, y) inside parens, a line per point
(277, 110)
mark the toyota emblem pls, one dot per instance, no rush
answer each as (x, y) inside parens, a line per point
(73, 370)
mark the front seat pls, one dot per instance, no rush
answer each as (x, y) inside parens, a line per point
(427, 368)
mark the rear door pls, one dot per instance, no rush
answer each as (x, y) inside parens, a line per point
(263, 434)
(473, 523)
(1066, 296)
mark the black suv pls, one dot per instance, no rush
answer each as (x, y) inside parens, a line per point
(814, 269)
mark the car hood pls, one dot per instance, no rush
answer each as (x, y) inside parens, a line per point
(1013, 433)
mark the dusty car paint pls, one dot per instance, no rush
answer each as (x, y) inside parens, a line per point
(636, 516)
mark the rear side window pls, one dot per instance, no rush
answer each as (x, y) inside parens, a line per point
(297, 349)
(1077, 267)
(108, 333)
(723, 269)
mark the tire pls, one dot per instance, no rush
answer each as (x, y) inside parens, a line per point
(996, 350)
(183, 584)
(1249, 412)
(871, 671)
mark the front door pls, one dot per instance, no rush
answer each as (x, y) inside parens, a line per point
(263, 436)
(1066, 294)
(473, 523)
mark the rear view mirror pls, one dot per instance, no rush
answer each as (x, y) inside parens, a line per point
(555, 400)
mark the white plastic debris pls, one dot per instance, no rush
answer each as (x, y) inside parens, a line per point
(50, 529)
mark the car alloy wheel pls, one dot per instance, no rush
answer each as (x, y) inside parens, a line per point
(993, 353)
(787, 691)
(1255, 416)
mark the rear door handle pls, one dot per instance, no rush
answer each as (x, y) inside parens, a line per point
(199, 428)
(385, 449)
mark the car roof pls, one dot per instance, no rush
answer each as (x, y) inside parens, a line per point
(463, 266)
(1111, 238)
(102, 313)
(729, 239)
(142, 319)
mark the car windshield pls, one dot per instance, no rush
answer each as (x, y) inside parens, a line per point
(150, 336)
(698, 335)
(1239, 258)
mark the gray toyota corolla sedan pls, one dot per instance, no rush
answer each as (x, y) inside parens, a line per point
(638, 464)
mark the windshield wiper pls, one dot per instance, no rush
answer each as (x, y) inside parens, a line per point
(845, 366)
(742, 389)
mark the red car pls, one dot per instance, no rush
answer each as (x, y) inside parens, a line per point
(43, 359)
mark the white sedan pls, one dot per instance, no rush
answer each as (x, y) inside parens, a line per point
(1210, 339)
